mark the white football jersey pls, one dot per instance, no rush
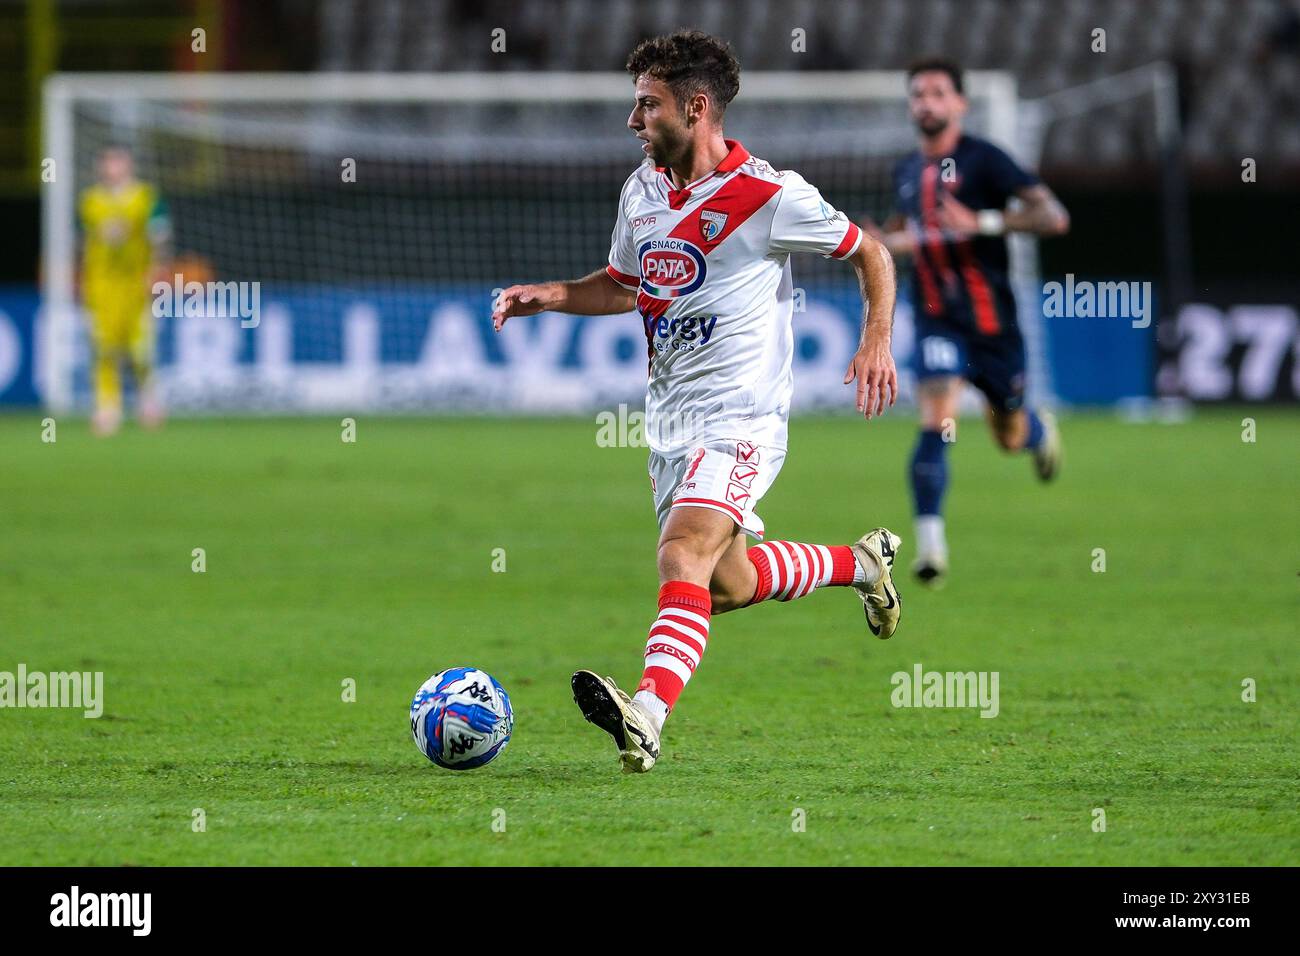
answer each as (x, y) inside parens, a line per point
(710, 265)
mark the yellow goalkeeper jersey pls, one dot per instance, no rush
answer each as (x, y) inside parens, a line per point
(119, 229)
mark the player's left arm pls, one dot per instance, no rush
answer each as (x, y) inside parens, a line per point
(873, 363)
(1039, 212)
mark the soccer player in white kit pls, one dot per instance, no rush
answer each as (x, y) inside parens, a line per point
(700, 250)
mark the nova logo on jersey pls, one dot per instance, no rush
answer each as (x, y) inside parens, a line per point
(670, 268)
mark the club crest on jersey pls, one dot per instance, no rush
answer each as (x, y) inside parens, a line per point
(670, 267)
(712, 223)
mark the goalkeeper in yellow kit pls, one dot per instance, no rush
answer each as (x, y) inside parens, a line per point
(126, 236)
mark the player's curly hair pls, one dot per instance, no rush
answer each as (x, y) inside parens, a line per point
(690, 62)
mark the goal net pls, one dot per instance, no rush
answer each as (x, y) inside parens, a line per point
(371, 219)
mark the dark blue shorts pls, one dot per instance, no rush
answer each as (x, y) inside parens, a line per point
(995, 364)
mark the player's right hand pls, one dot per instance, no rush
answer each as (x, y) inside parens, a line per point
(873, 367)
(517, 300)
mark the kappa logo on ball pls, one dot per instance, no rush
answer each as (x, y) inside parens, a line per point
(670, 268)
(743, 475)
(746, 451)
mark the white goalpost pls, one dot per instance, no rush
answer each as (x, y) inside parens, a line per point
(377, 214)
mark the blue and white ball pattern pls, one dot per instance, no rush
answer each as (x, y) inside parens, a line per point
(461, 718)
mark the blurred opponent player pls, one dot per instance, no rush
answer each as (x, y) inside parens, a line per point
(126, 235)
(951, 219)
(701, 249)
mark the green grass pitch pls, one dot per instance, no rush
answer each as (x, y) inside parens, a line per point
(373, 561)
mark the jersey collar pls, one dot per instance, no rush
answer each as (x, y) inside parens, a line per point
(735, 158)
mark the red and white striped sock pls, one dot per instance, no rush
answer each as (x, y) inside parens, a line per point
(789, 570)
(676, 643)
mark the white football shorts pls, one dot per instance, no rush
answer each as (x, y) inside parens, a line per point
(728, 476)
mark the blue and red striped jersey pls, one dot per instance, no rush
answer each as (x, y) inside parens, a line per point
(960, 279)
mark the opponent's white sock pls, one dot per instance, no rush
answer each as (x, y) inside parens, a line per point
(930, 538)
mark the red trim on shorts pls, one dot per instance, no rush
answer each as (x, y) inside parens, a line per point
(720, 505)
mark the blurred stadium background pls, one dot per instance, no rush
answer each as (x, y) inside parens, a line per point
(375, 292)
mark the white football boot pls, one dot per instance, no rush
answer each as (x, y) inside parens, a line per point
(614, 712)
(1047, 456)
(875, 550)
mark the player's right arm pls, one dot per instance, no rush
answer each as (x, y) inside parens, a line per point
(595, 294)
(607, 291)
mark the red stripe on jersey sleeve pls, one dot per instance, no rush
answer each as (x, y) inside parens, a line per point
(622, 278)
(849, 244)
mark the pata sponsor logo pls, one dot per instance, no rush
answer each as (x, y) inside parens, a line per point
(670, 268)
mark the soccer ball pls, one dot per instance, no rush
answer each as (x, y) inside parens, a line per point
(461, 718)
